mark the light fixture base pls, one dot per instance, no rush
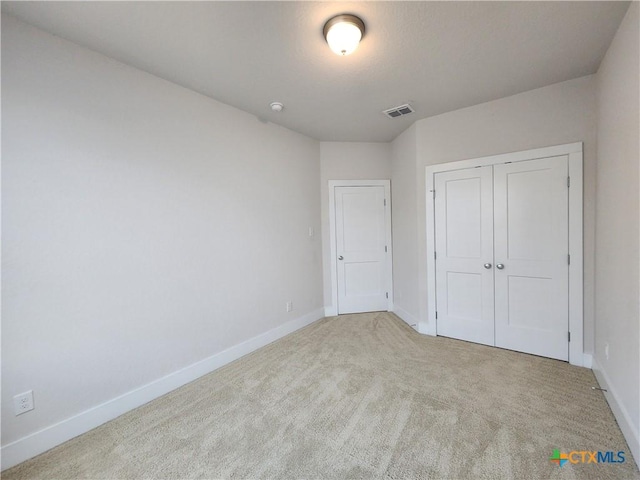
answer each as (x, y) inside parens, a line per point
(345, 17)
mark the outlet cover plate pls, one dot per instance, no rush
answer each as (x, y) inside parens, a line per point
(23, 402)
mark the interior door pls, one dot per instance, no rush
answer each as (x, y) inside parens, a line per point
(362, 270)
(531, 218)
(464, 254)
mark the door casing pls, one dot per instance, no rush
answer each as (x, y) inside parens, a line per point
(575, 247)
(333, 309)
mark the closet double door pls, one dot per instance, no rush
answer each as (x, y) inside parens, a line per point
(501, 241)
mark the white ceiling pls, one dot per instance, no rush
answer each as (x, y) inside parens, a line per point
(438, 56)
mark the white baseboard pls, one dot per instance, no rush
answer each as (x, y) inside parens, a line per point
(428, 328)
(629, 430)
(53, 435)
(330, 311)
(406, 317)
(587, 360)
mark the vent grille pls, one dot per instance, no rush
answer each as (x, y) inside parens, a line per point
(399, 111)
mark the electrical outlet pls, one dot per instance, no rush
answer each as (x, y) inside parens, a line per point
(23, 402)
(289, 306)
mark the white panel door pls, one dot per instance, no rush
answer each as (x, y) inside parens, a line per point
(531, 244)
(464, 249)
(362, 270)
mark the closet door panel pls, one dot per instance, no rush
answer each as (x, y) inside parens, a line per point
(531, 252)
(464, 243)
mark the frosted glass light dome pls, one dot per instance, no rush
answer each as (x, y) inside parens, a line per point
(343, 33)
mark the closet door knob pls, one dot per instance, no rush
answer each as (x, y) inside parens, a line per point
(487, 266)
(499, 266)
(340, 257)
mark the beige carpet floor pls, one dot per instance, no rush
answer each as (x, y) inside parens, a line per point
(357, 396)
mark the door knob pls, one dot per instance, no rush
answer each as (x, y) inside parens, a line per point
(499, 266)
(487, 266)
(340, 257)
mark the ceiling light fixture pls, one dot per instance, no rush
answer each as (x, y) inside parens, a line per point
(343, 33)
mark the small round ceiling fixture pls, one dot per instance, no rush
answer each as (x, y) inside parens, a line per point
(276, 106)
(343, 33)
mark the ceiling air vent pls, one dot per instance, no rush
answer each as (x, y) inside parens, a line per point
(399, 111)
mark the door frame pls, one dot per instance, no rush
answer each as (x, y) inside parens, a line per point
(332, 235)
(575, 247)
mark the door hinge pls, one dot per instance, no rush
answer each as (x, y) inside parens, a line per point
(568, 259)
(568, 181)
(385, 202)
(434, 255)
(569, 336)
(387, 294)
(385, 249)
(434, 194)
(436, 314)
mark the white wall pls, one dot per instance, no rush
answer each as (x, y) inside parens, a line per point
(553, 115)
(145, 227)
(405, 226)
(617, 228)
(347, 161)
